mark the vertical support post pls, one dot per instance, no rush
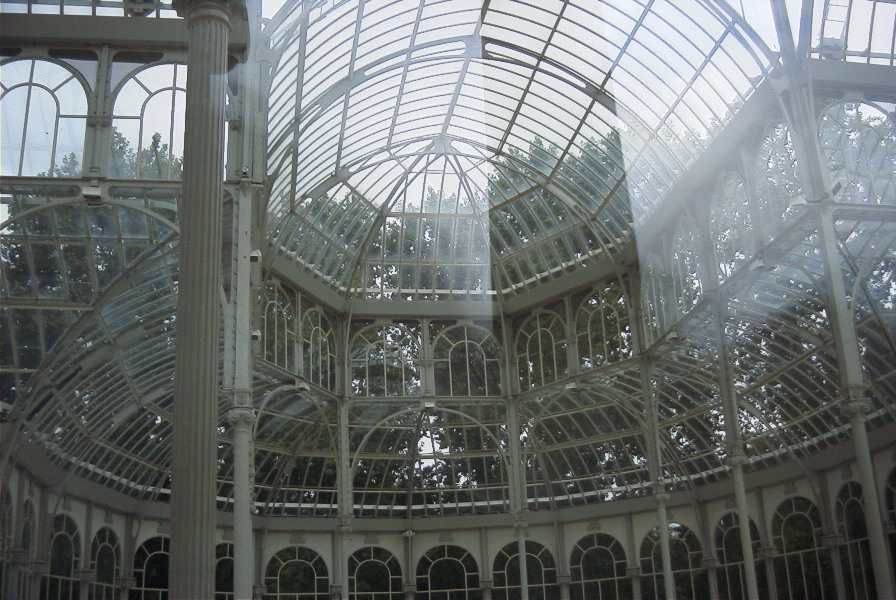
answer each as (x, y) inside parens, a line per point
(485, 565)
(241, 414)
(855, 403)
(517, 476)
(633, 569)
(193, 502)
(259, 588)
(344, 498)
(87, 576)
(768, 549)
(830, 537)
(99, 122)
(563, 577)
(710, 562)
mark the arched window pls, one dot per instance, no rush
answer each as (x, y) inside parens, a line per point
(385, 360)
(603, 331)
(374, 574)
(541, 350)
(151, 570)
(279, 327)
(856, 553)
(105, 560)
(731, 225)
(63, 582)
(803, 565)
(597, 569)
(6, 535)
(540, 568)
(858, 142)
(148, 124)
(732, 582)
(318, 349)
(296, 573)
(448, 573)
(467, 362)
(224, 572)
(687, 564)
(778, 179)
(44, 112)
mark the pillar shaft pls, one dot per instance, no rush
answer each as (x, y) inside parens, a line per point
(662, 523)
(244, 544)
(193, 504)
(743, 525)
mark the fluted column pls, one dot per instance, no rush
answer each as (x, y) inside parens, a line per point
(196, 372)
(736, 461)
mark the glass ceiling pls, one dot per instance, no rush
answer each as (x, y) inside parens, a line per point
(428, 150)
(423, 150)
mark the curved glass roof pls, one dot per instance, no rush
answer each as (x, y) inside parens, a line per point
(396, 126)
(432, 150)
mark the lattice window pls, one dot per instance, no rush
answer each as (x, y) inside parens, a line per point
(448, 573)
(858, 142)
(374, 574)
(855, 555)
(540, 568)
(778, 182)
(63, 581)
(318, 349)
(148, 124)
(803, 568)
(105, 560)
(151, 570)
(467, 362)
(731, 576)
(597, 569)
(44, 112)
(687, 564)
(385, 360)
(541, 350)
(731, 225)
(603, 330)
(296, 573)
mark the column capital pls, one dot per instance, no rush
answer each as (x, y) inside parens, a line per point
(736, 455)
(207, 9)
(87, 575)
(766, 552)
(39, 567)
(564, 579)
(486, 584)
(260, 590)
(633, 572)
(855, 401)
(831, 539)
(344, 523)
(241, 416)
(710, 562)
(519, 521)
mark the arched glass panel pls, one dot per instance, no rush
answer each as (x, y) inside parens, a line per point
(685, 268)
(540, 568)
(44, 112)
(24, 578)
(803, 567)
(598, 569)
(467, 362)
(63, 580)
(778, 183)
(279, 327)
(105, 560)
(603, 331)
(151, 570)
(858, 142)
(385, 360)
(318, 349)
(855, 555)
(148, 124)
(296, 573)
(732, 582)
(224, 572)
(541, 350)
(687, 564)
(890, 499)
(731, 225)
(448, 573)
(374, 574)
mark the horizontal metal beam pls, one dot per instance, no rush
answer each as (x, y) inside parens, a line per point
(83, 31)
(44, 304)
